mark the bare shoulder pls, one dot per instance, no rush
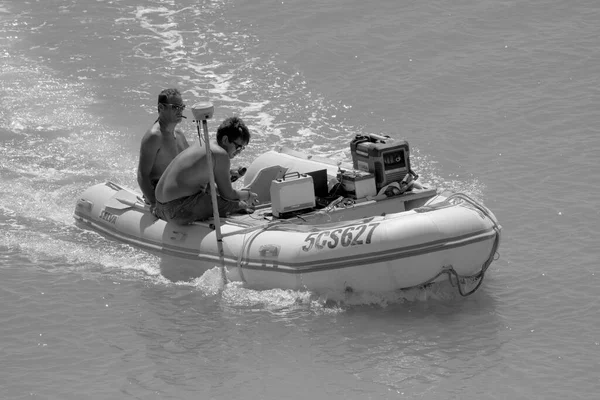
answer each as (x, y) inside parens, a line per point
(153, 134)
(221, 157)
(219, 153)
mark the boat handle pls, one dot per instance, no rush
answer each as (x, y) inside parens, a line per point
(475, 204)
(291, 174)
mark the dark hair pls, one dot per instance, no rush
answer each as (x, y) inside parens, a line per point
(166, 94)
(234, 128)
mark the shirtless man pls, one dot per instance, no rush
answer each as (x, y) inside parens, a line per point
(161, 143)
(183, 194)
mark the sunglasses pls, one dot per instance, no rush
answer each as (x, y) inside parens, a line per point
(238, 147)
(176, 107)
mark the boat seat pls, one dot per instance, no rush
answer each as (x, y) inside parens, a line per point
(261, 183)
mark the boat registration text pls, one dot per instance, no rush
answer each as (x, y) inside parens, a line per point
(355, 235)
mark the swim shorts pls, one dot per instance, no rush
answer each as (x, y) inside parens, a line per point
(196, 207)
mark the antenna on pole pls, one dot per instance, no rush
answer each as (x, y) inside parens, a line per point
(203, 111)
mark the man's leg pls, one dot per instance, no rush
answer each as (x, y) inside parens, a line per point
(229, 207)
(197, 207)
(185, 210)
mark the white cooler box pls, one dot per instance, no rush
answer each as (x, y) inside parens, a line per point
(294, 192)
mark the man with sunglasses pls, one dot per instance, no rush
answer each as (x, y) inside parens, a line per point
(183, 192)
(161, 143)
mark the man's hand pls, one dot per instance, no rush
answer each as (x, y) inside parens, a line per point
(237, 173)
(253, 199)
(153, 209)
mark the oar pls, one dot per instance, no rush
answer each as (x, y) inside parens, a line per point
(202, 112)
(124, 199)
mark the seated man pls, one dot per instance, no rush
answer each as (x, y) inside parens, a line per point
(183, 194)
(161, 143)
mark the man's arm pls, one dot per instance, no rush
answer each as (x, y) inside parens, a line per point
(148, 150)
(223, 180)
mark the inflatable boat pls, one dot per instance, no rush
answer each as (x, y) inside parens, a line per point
(321, 226)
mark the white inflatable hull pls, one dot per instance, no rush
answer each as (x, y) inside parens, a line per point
(369, 246)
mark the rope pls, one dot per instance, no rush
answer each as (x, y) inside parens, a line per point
(494, 255)
(254, 232)
(245, 249)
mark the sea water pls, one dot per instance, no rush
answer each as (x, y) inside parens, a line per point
(498, 99)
